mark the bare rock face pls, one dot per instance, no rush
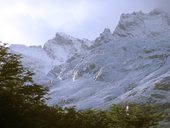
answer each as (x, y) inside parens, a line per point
(63, 46)
(139, 24)
(132, 64)
(104, 37)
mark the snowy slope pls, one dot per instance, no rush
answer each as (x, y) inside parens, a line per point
(54, 52)
(138, 24)
(132, 64)
(62, 47)
(36, 59)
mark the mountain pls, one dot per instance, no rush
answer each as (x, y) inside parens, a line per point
(129, 65)
(54, 52)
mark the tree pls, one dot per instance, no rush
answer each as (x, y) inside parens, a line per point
(134, 116)
(19, 95)
(95, 119)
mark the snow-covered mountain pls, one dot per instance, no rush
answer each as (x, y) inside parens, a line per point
(54, 52)
(132, 64)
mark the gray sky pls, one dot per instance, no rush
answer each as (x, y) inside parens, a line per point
(33, 22)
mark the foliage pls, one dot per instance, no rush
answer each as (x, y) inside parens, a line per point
(134, 116)
(94, 119)
(19, 95)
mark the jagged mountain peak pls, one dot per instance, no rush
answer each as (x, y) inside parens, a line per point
(161, 12)
(139, 24)
(128, 65)
(106, 31)
(63, 38)
(63, 46)
(119, 70)
(104, 37)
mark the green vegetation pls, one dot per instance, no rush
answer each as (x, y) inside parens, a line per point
(134, 116)
(163, 85)
(161, 57)
(147, 51)
(22, 104)
(20, 97)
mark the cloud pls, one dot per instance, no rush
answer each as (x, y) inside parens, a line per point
(19, 18)
(165, 4)
(36, 21)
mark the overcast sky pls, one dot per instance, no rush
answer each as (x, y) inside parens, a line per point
(33, 22)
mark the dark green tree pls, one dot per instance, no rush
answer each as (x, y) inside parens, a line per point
(19, 95)
(95, 119)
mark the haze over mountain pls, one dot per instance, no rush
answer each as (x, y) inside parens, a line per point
(33, 22)
(131, 64)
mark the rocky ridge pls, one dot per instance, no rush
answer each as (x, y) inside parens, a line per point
(132, 64)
